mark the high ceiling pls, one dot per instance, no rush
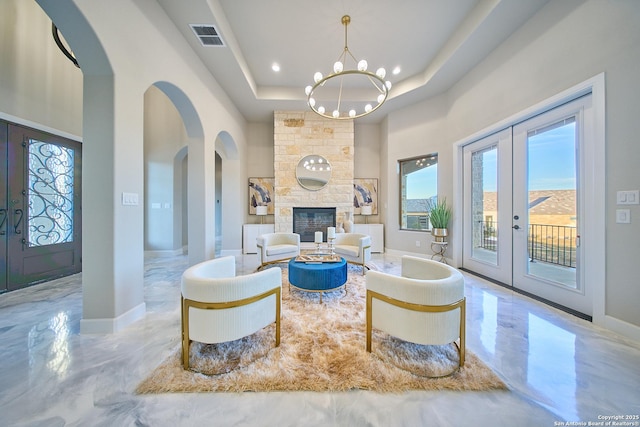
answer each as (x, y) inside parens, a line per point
(434, 42)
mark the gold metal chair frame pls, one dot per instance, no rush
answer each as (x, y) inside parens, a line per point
(364, 265)
(424, 309)
(187, 303)
(275, 261)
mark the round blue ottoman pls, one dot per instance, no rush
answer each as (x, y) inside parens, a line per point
(324, 277)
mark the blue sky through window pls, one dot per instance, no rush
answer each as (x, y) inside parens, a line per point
(552, 165)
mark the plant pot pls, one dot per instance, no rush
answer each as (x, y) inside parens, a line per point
(439, 233)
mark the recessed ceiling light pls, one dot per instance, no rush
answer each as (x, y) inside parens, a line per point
(275, 67)
(396, 70)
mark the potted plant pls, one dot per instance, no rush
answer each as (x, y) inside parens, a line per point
(439, 215)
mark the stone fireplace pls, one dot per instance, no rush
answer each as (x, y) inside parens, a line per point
(306, 221)
(301, 133)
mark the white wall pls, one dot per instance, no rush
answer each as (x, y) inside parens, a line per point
(164, 136)
(564, 44)
(118, 69)
(366, 161)
(51, 100)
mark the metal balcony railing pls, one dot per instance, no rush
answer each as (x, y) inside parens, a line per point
(554, 244)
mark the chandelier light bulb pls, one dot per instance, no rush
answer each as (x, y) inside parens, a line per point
(338, 67)
(388, 84)
(336, 114)
(380, 98)
(368, 108)
(312, 102)
(381, 72)
(352, 113)
(317, 76)
(321, 109)
(307, 90)
(362, 65)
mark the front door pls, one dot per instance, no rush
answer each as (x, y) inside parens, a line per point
(39, 206)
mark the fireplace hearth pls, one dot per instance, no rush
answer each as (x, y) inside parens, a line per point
(306, 221)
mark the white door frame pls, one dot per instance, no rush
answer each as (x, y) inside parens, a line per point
(594, 182)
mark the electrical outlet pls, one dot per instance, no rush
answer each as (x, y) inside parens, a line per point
(623, 216)
(417, 243)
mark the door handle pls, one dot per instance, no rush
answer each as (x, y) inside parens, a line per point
(16, 228)
(3, 220)
(516, 227)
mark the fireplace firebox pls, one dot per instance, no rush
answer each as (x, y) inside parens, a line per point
(306, 221)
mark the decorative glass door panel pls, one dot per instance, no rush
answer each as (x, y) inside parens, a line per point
(50, 193)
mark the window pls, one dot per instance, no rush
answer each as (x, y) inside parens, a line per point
(418, 186)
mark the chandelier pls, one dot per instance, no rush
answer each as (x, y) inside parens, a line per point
(325, 96)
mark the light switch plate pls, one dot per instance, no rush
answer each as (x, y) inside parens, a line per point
(628, 197)
(129, 199)
(623, 216)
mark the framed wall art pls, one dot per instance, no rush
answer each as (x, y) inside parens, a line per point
(261, 194)
(365, 193)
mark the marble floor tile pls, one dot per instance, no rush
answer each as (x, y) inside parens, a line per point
(558, 368)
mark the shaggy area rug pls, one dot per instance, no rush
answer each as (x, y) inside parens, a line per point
(322, 349)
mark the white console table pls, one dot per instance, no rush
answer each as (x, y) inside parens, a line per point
(250, 233)
(376, 231)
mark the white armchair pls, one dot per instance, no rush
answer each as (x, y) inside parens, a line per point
(425, 305)
(276, 247)
(218, 306)
(354, 247)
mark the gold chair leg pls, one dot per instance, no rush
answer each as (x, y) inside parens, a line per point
(369, 306)
(463, 317)
(185, 334)
(278, 296)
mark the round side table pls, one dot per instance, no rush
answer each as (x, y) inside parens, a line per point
(438, 249)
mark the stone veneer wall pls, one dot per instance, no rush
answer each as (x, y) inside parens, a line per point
(298, 134)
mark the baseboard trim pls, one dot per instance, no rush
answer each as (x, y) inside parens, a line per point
(168, 253)
(231, 252)
(113, 325)
(395, 252)
(620, 327)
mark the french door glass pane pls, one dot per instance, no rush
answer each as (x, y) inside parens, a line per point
(484, 204)
(551, 184)
(50, 219)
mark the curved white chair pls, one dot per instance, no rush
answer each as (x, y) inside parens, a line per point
(277, 247)
(425, 305)
(354, 247)
(218, 306)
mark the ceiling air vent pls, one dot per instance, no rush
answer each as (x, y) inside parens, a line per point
(207, 34)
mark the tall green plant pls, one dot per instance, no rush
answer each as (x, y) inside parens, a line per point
(439, 213)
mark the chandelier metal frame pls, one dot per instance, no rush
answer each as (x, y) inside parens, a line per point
(376, 79)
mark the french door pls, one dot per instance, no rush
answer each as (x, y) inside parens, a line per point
(40, 198)
(523, 205)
